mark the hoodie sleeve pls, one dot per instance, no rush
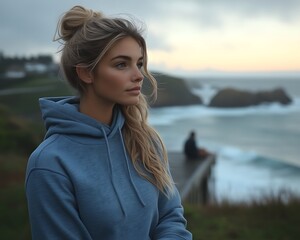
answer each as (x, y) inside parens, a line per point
(52, 207)
(172, 224)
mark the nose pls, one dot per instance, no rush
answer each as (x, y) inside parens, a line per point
(138, 76)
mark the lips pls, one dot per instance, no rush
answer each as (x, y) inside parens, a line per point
(134, 89)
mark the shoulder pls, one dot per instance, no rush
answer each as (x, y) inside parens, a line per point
(45, 156)
(43, 164)
(43, 150)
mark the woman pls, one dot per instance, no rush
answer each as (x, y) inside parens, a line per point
(102, 171)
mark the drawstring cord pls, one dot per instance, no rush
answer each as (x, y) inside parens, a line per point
(129, 172)
(111, 173)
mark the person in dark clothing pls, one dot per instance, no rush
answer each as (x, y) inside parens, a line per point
(191, 150)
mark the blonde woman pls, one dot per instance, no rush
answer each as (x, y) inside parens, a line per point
(102, 171)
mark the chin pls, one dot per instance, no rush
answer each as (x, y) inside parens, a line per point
(131, 102)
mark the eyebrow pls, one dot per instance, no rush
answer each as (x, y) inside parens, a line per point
(126, 57)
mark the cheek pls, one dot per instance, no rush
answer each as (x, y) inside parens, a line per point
(110, 80)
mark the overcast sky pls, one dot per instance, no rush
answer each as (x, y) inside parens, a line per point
(182, 35)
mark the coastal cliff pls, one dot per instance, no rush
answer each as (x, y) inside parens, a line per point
(172, 91)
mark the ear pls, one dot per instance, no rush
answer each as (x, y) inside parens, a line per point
(84, 74)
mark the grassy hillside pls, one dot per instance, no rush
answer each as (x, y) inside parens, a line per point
(14, 216)
(18, 138)
(23, 99)
(21, 130)
(17, 133)
(273, 220)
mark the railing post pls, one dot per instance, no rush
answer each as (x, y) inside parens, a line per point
(196, 190)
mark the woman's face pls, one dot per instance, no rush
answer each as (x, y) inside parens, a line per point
(117, 78)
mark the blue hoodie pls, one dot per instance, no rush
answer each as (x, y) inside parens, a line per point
(81, 183)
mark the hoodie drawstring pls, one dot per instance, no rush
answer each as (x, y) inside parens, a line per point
(111, 172)
(129, 173)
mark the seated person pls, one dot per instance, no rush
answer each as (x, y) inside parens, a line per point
(191, 150)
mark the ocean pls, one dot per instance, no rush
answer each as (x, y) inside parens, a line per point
(257, 147)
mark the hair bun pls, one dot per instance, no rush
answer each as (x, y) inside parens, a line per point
(73, 20)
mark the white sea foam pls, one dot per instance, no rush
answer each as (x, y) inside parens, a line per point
(236, 154)
(242, 176)
(206, 92)
(167, 115)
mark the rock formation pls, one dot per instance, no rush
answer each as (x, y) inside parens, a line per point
(172, 91)
(230, 97)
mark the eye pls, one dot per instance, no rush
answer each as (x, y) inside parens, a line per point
(121, 65)
(140, 65)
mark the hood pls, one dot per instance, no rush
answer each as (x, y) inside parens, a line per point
(61, 116)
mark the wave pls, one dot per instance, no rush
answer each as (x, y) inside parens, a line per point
(167, 115)
(235, 154)
(241, 175)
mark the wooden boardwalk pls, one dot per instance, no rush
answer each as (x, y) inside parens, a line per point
(191, 176)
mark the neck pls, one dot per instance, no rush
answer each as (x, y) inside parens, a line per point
(95, 109)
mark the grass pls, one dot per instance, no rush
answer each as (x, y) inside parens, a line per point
(17, 133)
(21, 129)
(271, 219)
(26, 103)
(14, 216)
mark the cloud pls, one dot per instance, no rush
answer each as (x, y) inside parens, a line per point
(33, 22)
(27, 27)
(156, 42)
(282, 10)
(211, 14)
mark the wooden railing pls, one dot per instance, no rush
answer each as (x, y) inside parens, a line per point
(196, 189)
(193, 178)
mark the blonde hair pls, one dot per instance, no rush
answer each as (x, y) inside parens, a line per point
(86, 36)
